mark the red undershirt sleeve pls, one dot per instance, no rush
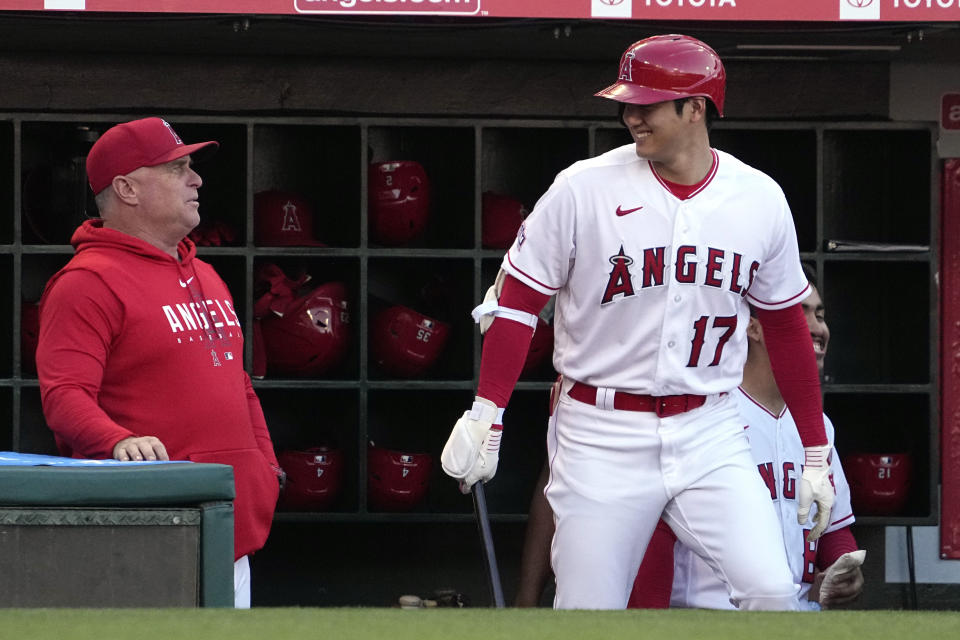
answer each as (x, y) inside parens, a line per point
(506, 342)
(834, 544)
(794, 366)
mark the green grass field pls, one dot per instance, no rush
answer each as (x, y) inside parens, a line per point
(469, 624)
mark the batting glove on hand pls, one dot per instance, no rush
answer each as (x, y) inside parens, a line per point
(473, 448)
(843, 580)
(815, 487)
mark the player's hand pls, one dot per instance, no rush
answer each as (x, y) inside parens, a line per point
(815, 487)
(473, 448)
(842, 582)
(140, 448)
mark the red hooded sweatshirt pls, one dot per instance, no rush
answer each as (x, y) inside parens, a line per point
(136, 343)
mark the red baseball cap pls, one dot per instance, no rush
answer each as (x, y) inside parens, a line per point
(139, 143)
(282, 219)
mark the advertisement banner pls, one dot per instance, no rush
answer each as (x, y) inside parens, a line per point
(704, 10)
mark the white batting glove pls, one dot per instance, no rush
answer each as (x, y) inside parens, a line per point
(843, 580)
(473, 448)
(815, 487)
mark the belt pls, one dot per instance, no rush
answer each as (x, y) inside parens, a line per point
(663, 406)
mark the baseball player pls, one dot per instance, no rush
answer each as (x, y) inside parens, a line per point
(778, 454)
(655, 250)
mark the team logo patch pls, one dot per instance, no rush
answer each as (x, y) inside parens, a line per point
(521, 234)
(620, 282)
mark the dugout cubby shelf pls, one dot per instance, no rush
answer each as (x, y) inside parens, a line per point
(847, 182)
(447, 155)
(322, 163)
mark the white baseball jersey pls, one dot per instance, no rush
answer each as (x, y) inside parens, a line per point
(778, 452)
(652, 290)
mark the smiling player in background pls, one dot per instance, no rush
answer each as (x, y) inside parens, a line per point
(778, 454)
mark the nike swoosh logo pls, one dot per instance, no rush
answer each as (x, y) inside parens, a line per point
(184, 284)
(623, 212)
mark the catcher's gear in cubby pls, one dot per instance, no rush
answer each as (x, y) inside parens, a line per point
(405, 342)
(307, 336)
(283, 219)
(668, 67)
(501, 216)
(879, 483)
(314, 477)
(273, 290)
(396, 480)
(398, 201)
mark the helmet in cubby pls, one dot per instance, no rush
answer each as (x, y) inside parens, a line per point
(398, 201)
(501, 217)
(314, 478)
(311, 335)
(879, 482)
(397, 480)
(405, 342)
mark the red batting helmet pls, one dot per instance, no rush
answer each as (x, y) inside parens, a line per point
(29, 335)
(313, 478)
(399, 201)
(405, 342)
(283, 219)
(501, 217)
(668, 67)
(311, 336)
(541, 348)
(879, 483)
(396, 480)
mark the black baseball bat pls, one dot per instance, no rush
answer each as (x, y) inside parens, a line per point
(483, 522)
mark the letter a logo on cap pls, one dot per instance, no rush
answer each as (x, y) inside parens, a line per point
(172, 132)
(291, 221)
(626, 66)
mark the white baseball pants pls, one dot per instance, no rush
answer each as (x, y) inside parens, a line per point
(241, 583)
(613, 473)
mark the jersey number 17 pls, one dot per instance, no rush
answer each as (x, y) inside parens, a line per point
(726, 324)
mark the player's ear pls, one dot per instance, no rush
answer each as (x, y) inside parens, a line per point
(698, 106)
(125, 188)
(754, 330)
